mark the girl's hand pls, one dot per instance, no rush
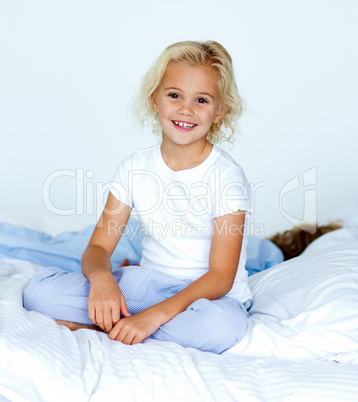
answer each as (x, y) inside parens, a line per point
(136, 328)
(106, 302)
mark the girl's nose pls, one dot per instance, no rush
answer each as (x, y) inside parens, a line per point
(186, 110)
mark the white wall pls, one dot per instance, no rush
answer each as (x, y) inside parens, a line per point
(68, 70)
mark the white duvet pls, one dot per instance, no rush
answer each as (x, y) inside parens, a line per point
(302, 343)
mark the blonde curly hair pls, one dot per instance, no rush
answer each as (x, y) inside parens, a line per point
(192, 53)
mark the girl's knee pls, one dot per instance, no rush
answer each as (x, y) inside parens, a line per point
(36, 291)
(225, 322)
(57, 293)
(210, 326)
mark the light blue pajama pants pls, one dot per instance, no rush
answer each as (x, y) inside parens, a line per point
(212, 326)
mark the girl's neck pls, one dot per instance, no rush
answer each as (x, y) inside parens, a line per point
(181, 157)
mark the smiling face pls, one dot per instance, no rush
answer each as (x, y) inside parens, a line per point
(188, 103)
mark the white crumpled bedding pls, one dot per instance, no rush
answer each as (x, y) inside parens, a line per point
(302, 343)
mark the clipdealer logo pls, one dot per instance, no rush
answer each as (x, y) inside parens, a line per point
(91, 195)
(309, 179)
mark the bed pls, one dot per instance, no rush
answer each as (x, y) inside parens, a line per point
(302, 340)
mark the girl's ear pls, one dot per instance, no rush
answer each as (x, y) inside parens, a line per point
(155, 105)
(220, 115)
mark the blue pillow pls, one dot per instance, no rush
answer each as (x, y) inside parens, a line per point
(261, 254)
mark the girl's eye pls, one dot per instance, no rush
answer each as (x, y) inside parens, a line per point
(173, 95)
(202, 100)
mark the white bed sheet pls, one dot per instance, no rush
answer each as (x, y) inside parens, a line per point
(300, 343)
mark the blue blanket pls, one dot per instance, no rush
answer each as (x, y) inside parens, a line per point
(65, 249)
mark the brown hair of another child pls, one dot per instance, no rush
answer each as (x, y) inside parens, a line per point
(293, 242)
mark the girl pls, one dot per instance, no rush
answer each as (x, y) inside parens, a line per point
(192, 200)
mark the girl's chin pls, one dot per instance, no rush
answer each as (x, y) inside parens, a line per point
(182, 141)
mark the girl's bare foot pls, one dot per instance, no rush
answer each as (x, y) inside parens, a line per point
(73, 326)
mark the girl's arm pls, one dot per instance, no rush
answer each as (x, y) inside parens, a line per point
(223, 263)
(106, 301)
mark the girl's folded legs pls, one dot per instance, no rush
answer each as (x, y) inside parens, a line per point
(206, 325)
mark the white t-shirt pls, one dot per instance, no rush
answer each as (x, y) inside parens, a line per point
(176, 210)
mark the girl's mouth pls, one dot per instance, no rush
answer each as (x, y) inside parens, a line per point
(183, 125)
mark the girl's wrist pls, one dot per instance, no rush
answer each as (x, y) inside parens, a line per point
(99, 275)
(163, 312)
